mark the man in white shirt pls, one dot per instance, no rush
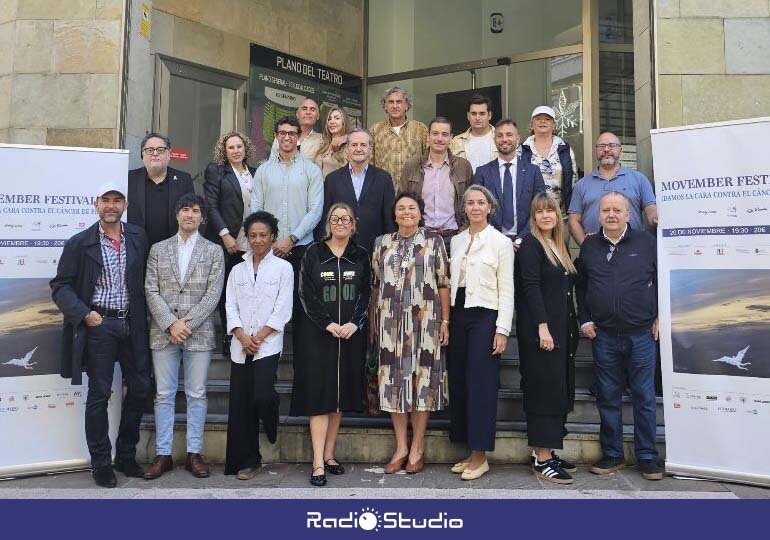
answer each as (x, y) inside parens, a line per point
(477, 144)
(185, 276)
(309, 141)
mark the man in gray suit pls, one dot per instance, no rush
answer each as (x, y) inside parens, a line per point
(185, 276)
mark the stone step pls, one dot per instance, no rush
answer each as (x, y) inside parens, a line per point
(509, 403)
(371, 441)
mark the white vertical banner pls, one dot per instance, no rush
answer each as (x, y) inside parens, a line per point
(713, 194)
(46, 196)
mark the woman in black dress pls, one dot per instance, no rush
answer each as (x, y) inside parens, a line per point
(547, 333)
(329, 371)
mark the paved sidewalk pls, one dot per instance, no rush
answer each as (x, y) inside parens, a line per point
(366, 481)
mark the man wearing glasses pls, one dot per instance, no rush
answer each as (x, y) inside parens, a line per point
(154, 189)
(610, 175)
(616, 292)
(290, 187)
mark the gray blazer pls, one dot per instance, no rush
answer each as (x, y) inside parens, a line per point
(171, 296)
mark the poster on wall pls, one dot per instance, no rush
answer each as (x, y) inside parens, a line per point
(278, 82)
(713, 193)
(42, 413)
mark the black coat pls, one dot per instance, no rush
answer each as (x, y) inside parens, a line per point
(329, 372)
(544, 293)
(73, 287)
(374, 209)
(179, 183)
(224, 202)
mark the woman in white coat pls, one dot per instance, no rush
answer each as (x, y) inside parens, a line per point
(258, 305)
(482, 312)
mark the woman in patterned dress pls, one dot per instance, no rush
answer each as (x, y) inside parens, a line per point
(552, 154)
(410, 280)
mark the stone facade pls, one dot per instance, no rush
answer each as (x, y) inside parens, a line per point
(60, 72)
(711, 63)
(62, 76)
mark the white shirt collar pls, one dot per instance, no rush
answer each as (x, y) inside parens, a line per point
(501, 162)
(625, 230)
(190, 241)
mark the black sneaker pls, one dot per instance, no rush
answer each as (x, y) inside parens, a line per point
(551, 470)
(563, 463)
(608, 465)
(650, 469)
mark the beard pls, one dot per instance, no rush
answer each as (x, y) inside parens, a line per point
(609, 160)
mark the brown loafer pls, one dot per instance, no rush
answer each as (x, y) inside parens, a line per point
(197, 465)
(161, 465)
(395, 466)
(413, 468)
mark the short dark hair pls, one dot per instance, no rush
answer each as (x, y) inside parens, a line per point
(261, 216)
(154, 135)
(439, 120)
(291, 120)
(478, 99)
(506, 121)
(190, 200)
(409, 195)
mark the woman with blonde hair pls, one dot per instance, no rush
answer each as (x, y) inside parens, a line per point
(331, 153)
(547, 333)
(227, 187)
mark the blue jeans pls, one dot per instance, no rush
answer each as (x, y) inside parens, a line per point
(196, 366)
(615, 353)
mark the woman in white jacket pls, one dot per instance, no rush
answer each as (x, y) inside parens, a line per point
(258, 305)
(482, 313)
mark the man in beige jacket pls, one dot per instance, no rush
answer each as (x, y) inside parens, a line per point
(477, 144)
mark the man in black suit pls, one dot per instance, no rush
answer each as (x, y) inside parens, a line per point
(99, 288)
(154, 189)
(366, 188)
(513, 181)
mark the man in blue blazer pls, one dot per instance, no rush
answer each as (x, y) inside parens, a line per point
(507, 176)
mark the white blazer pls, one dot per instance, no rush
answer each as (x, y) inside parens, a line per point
(488, 273)
(253, 303)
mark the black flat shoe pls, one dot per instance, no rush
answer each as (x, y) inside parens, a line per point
(104, 477)
(318, 480)
(333, 468)
(129, 467)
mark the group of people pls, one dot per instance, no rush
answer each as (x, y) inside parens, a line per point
(347, 234)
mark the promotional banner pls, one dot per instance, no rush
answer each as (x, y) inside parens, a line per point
(46, 196)
(713, 194)
(278, 84)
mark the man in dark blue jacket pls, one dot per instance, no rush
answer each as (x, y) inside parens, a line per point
(513, 181)
(618, 310)
(99, 288)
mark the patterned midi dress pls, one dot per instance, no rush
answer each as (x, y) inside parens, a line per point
(408, 273)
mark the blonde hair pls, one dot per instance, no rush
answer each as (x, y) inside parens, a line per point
(545, 201)
(220, 154)
(326, 143)
(332, 208)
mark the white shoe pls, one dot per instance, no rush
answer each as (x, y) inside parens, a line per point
(473, 474)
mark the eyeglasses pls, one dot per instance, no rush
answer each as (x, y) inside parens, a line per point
(345, 220)
(158, 150)
(291, 134)
(611, 252)
(548, 167)
(611, 146)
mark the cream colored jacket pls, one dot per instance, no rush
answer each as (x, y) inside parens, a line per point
(459, 144)
(488, 273)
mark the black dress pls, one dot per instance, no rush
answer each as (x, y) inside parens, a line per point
(329, 372)
(544, 293)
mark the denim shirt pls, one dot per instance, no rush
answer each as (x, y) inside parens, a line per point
(293, 192)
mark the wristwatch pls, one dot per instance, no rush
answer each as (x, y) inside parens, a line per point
(293, 239)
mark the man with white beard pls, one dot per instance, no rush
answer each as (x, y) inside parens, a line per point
(583, 212)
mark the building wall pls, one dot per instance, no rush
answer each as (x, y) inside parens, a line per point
(711, 64)
(60, 71)
(217, 34)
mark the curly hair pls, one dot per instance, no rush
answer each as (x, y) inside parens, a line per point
(220, 155)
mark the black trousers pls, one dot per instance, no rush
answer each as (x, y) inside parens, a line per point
(252, 398)
(230, 262)
(108, 342)
(474, 376)
(546, 430)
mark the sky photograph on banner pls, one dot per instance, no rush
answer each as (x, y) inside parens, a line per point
(278, 83)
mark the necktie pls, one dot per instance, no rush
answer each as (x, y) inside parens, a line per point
(509, 215)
